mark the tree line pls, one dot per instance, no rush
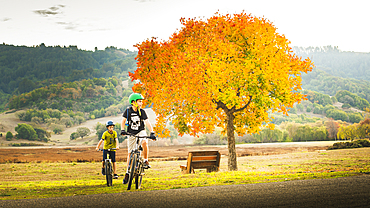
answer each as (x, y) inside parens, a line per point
(355, 131)
(295, 132)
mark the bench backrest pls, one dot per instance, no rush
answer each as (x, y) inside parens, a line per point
(203, 159)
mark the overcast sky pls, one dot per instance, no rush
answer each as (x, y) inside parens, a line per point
(124, 23)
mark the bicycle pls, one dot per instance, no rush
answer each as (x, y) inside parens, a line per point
(136, 164)
(108, 167)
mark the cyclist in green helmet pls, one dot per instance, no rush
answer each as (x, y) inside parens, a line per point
(136, 119)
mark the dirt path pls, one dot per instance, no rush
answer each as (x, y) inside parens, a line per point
(8, 122)
(337, 192)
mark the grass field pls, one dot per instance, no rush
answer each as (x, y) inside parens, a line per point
(41, 180)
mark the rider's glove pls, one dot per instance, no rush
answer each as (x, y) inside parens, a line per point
(152, 136)
(123, 132)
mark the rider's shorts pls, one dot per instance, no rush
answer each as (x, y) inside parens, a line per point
(112, 155)
(131, 140)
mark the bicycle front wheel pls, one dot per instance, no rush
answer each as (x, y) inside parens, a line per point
(109, 173)
(132, 170)
(139, 176)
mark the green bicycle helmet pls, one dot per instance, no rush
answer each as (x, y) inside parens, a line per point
(135, 97)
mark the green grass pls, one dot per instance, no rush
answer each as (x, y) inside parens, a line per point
(42, 180)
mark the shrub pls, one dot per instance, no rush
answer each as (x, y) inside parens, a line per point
(346, 105)
(216, 138)
(25, 144)
(73, 136)
(26, 131)
(57, 128)
(83, 131)
(308, 109)
(9, 136)
(355, 144)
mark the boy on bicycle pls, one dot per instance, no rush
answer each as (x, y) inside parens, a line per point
(110, 139)
(136, 120)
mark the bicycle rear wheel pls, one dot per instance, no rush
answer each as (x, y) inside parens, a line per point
(108, 173)
(132, 170)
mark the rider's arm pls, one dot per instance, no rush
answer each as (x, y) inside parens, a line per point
(117, 144)
(123, 124)
(97, 147)
(149, 125)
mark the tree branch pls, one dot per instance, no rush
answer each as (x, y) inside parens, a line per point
(244, 107)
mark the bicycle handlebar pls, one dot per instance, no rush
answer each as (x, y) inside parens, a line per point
(108, 149)
(148, 137)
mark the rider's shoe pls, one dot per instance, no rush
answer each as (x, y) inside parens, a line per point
(125, 180)
(146, 165)
(115, 176)
(103, 171)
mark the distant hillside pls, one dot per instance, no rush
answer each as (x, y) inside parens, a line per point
(335, 62)
(320, 81)
(86, 96)
(26, 68)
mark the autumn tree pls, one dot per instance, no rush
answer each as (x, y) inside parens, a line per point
(332, 127)
(364, 128)
(348, 132)
(225, 71)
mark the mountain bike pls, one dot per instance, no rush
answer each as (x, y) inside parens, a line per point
(108, 167)
(136, 165)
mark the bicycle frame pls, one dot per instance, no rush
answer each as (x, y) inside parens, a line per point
(135, 166)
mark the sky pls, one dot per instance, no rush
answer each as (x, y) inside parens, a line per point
(124, 23)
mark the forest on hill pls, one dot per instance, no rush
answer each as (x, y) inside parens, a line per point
(345, 64)
(25, 69)
(320, 81)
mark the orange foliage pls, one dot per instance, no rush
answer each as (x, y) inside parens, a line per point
(226, 67)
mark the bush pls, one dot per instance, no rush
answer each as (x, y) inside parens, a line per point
(9, 136)
(57, 128)
(308, 109)
(216, 138)
(26, 131)
(73, 136)
(25, 144)
(355, 144)
(83, 131)
(346, 105)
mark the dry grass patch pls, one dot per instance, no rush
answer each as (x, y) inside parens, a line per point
(40, 180)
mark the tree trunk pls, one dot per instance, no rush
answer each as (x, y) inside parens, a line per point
(232, 163)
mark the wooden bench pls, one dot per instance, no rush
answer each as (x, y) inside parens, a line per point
(209, 160)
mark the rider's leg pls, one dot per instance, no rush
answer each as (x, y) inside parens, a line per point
(145, 149)
(114, 168)
(112, 155)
